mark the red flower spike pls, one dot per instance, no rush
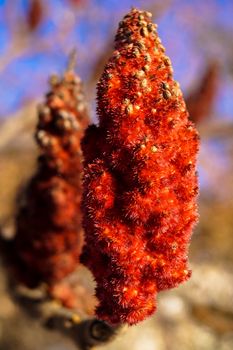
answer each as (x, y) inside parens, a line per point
(49, 233)
(140, 182)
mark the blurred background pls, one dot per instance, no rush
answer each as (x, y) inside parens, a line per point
(36, 37)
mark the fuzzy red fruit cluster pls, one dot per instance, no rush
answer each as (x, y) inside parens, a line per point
(140, 181)
(49, 233)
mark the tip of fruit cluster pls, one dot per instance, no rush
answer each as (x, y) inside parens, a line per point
(135, 25)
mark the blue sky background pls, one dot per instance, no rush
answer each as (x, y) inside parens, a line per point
(190, 31)
(194, 33)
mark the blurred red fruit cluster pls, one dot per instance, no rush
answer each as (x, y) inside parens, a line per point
(49, 232)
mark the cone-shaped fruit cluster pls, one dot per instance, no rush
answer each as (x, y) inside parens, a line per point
(140, 182)
(49, 233)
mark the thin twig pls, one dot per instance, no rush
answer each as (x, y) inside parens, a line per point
(72, 60)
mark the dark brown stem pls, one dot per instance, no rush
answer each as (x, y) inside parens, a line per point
(86, 334)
